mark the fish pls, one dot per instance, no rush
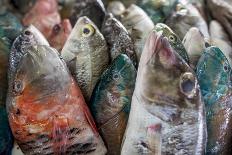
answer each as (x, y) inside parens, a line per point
(93, 9)
(10, 25)
(60, 33)
(6, 138)
(111, 99)
(23, 6)
(195, 44)
(167, 111)
(173, 39)
(117, 8)
(86, 55)
(158, 10)
(44, 16)
(220, 38)
(46, 109)
(224, 16)
(139, 26)
(214, 75)
(185, 17)
(118, 38)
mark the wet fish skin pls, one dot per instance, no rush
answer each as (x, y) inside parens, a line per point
(214, 75)
(194, 43)
(110, 103)
(86, 54)
(139, 25)
(184, 17)
(118, 38)
(173, 39)
(43, 15)
(93, 9)
(10, 25)
(167, 112)
(46, 110)
(60, 33)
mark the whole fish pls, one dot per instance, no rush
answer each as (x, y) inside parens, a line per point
(43, 15)
(214, 75)
(173, 39)
(116, 8)
(185, 17)
(139, 25)
(224, 15)
(10, 25)
(167, 112)
(86, 54)
(93, 9)
(220, 38)
(6, 138)
(118, 38)
(110, 103)
(23, 5)
(46, 110)
(194, 43)
(60, 33)
(158, 10)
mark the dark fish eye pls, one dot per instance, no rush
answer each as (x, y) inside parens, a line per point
(56, 28)
(86, 31)
(172, 38)
(116, 76)
(28, 33)
(188, 84)
(18, 87)
(225, 68)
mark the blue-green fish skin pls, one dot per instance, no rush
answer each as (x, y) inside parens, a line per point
(173, 39)
(10, 25)
(110, 103)
(214, 75)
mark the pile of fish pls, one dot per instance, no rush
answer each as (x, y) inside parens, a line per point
(129, 77)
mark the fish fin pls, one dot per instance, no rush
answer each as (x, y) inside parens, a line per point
(154, 138)
(90, 119)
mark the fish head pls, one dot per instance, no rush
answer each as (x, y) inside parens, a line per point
(165, 75)
(214, 71)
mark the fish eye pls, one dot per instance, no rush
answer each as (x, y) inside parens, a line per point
(225, 67)
(18, 87)
(116, 76)
(172, 38)
(88, 30)
(56, 28)
(109, 22)
(188, 84)
(28, 33)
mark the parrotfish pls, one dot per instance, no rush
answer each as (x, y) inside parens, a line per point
(110, 103)
(10, 25)
(43, 15)
(185, 17)
(173, 39)
(93, 9)
(194, 43)
(222, 11)
(86, 54)
(139, 25)
(118, 38)
(214, 75)
(167, 112)
(46, 109)
(219, 37)
(60, 33)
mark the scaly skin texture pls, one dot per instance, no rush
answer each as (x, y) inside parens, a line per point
(167, 112)
(224, 16)
(43, 15)
(194, 44)
(10, 26)
(173, 39)
(118, 39)
(86, 54)
(185, 17)
(93, 9)
(139, 25)
(110, 104)
(214, 74)
(60, 34)
(46, 110)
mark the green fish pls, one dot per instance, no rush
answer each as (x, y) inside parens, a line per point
(10, 26)
(110, 103)
(214, 74)
(173, 39)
